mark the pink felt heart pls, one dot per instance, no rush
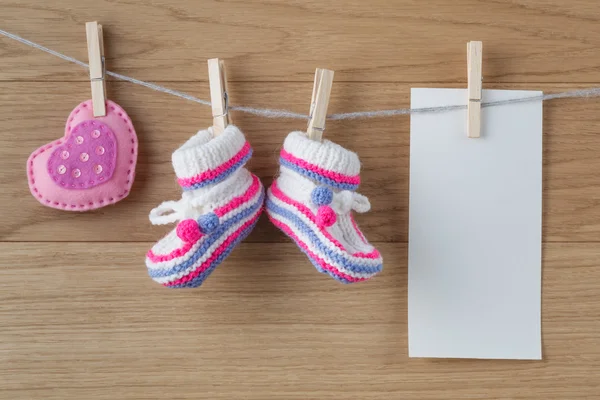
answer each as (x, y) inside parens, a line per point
(92, 166)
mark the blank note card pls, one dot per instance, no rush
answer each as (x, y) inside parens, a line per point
(474, 280)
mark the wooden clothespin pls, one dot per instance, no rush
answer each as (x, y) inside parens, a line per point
(474, 82)
(319, 103)
(95, 46)
(217, 80)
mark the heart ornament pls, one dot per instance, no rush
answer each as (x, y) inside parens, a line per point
(92, 166)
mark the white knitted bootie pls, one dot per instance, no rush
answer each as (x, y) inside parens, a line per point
(220, 205)
(312, 202)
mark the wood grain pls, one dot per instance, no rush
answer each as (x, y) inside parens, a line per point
(379, 40)
(265, 325)
(79, 317)
(571, 143)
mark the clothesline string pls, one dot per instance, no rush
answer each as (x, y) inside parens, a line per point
(276, 113)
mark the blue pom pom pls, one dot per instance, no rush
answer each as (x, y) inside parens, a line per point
(321, 196)
(208, 222)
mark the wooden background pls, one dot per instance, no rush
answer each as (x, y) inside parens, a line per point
(80, 319)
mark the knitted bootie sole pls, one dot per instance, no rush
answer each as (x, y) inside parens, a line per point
(220, 206)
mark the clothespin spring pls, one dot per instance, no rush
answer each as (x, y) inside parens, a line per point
(101, 78)
(226, 106)
(310, 117)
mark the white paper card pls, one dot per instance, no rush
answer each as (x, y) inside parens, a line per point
(474, 264)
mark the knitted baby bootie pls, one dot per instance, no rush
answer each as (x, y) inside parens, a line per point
(220, 205)
(312, 202)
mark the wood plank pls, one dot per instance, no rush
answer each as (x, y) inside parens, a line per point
(34, 113)
(380, 40)
(82, 320)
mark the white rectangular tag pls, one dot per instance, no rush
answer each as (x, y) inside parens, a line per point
(474, 280)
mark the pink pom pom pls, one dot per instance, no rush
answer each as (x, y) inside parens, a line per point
(188, 231)
(326, 216)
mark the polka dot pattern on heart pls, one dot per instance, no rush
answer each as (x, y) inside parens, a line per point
(87, 157)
